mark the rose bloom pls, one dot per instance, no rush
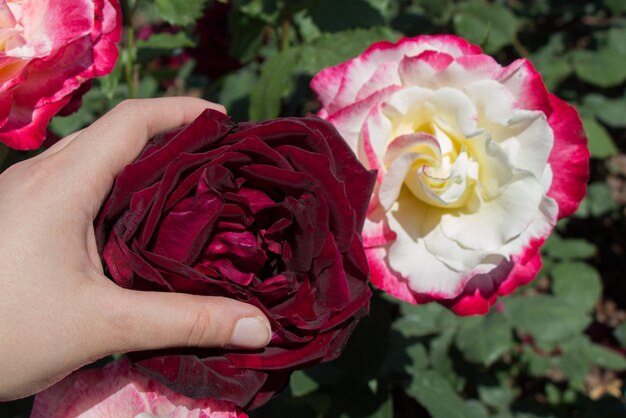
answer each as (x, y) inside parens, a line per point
(119, 390)
(476, 162)
(214, 42)
(48, 49)
(267, 213)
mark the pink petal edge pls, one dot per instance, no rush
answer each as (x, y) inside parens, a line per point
(569, 155)
(120, 390)
(45, 85)
(331, 83)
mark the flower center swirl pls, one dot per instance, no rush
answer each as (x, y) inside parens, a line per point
(435, 160)
(11, 30)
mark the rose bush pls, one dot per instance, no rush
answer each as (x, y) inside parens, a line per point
(119, 390)
(267, 213)
(48, 50)
(476, 162)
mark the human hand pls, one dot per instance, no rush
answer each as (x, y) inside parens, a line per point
(58, 311)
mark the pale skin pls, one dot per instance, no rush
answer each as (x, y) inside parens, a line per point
(58, 311)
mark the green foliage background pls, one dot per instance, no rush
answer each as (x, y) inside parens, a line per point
(553, 349)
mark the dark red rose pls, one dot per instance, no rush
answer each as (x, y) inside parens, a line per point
(214, 41)
(267, 213)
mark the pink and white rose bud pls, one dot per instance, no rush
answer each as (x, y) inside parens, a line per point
(48, 49)
(476, 162)
(119, 390)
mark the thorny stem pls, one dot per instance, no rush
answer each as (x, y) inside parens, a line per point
(131, 68)
(286, 25)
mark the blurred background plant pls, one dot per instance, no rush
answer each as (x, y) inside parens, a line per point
(554, 349)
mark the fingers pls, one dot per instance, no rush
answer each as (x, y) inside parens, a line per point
(103, 149)
(152, 320)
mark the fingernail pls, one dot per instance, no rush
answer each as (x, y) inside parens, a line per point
(252, 332)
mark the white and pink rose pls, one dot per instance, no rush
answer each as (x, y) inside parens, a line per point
(48, 49)
(476, 163)
(119, 390)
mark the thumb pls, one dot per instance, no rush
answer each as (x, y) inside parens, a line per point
(139, 320)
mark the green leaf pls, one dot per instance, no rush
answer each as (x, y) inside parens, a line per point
(553, 394)
(307, 29)
(98, 102)
(575, 366)
(579, 353)
(277, 74)
(601, 144)
(497, 396)
(418, 358)
(620, 334)
(599, 199)
(421, 320)
(166, 41)
(609, 111)
(301, 384)
(548, 319)
(569, 249)
(333, 49)
(147, 88)
(475, 409)
(441, 357)
(488, 24)
(235, 91)
(605, 358)
(569, 396)
(336, 16)
(484, 339)
(276, 82)
(266, 10)
(180, 12)
(577, 283)
(616, 7)
(616, 36)
(538, 365)
(604, 68)
(247, 35)
(551, 63)
(436, 395)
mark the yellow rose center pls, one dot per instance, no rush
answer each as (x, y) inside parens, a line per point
(444, 168)
(10, 29)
